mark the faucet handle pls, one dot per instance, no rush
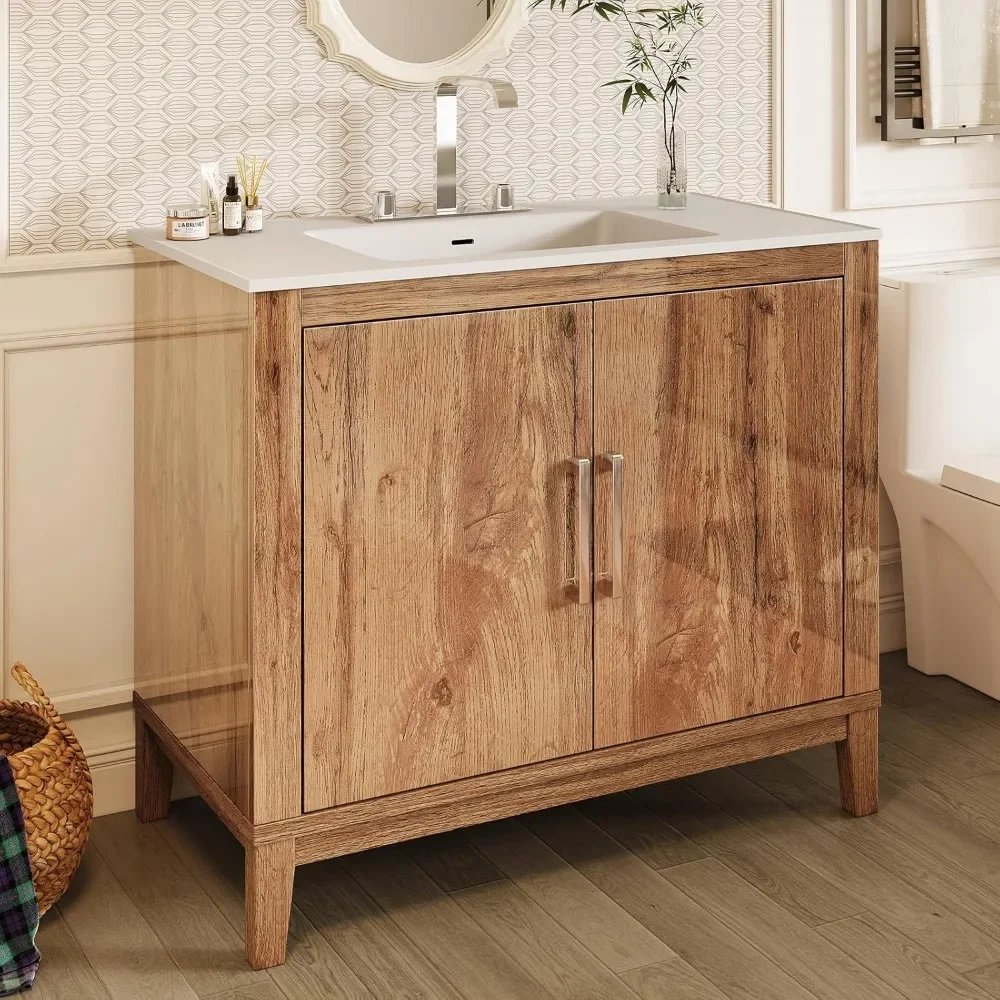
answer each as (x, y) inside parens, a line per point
(384, 207)
(503, 198)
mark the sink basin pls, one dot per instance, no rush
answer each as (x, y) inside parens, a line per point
(450, 237)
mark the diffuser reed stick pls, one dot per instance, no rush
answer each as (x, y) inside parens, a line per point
(251, 174)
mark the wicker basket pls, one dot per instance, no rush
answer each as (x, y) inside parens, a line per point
(53, 779)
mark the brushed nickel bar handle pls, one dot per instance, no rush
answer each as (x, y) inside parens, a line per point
(616, 577)
(584, 530)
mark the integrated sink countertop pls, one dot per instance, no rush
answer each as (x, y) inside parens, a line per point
(460, 237)
(314, 253)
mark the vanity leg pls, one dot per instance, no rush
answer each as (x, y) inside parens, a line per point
(857, 759)
(154, 775)
(270, 872)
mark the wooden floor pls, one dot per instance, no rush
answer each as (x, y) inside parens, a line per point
(747, 883)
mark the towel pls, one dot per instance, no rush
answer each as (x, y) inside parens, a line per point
(19, 957)
(960, 62)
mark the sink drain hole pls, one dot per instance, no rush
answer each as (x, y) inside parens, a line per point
(462, 243)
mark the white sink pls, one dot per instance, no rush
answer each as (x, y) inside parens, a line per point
(450, 237)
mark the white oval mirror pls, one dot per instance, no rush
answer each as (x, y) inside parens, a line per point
(413, 44)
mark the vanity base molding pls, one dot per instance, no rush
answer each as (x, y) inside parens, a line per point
(275, 849)
(390, 581)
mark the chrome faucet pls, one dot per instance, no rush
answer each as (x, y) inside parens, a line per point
(447, 134)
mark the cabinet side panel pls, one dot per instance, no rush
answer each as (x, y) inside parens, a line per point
(276, 626)
(192, 555)
(861, 545)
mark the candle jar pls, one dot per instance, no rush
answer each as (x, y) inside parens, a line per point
(188, 222)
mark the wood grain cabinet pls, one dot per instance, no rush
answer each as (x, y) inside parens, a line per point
(442, 636)
(727, 408)
(417, 556)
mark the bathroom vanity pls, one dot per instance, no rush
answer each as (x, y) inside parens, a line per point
(431, 532)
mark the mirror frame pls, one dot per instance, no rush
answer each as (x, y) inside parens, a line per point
(344, 43)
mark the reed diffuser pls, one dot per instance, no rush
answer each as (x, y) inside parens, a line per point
(251, 174)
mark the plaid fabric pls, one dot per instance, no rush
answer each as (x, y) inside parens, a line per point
(19, 957)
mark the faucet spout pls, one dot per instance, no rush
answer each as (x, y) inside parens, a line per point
(505, 98)
(504, 93)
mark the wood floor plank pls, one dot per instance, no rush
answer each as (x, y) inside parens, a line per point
(987, 786)
(987, 979)
(813, 962)
(911, 734)
(943, 814)
(953, 888)
(894, 958)
(124, 951)
(313, 970)
(915, 688)
(452, 861)
(822, 766)
(897, 683)
(644, 833)
(562, 967)
(65, 971)
(367, 938)
(709, 946)
(674, 980)
(905, 772)
(903, 906)
(800, 890)
(977, 730)
(192, 929)
(260, 991)
(212, 855)
(593, 918)
(933, 787)
(455, 943)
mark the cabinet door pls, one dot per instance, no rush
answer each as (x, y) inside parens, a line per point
(443, 637)
(728, 409)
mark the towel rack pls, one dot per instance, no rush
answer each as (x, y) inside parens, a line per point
(902, 79)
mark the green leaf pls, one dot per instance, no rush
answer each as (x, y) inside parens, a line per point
(659, 38)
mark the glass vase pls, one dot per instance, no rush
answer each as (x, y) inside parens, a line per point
(671, 168)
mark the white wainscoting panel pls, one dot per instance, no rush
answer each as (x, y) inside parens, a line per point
(68, 527)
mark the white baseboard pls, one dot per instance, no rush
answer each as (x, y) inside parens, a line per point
(891, 611)
(892, 624)
(114, 780)
(114, 784)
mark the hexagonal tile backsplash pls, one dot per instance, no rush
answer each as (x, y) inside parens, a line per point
(114, 103)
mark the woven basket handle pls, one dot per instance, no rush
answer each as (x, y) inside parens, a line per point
(22, 675)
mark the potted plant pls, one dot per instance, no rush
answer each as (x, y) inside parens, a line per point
(656, 72)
